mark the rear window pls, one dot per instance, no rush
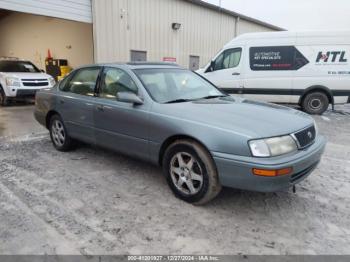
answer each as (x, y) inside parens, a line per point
(18, 67)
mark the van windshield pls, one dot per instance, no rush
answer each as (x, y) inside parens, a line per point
(18, 67)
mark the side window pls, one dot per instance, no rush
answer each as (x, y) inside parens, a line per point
(83, 82)
(115, 81)
(230, 58)
(218, 62)
(63, 83)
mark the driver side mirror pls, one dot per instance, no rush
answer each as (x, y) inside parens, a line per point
(129, 97)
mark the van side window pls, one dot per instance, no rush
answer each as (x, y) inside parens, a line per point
(230, 58)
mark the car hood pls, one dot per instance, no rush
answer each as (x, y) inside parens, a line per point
(252, 118)
(27, 75)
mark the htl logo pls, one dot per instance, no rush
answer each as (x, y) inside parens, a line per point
(332, 56)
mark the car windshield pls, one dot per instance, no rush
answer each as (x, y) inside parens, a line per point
(18, 67)
(176, 85)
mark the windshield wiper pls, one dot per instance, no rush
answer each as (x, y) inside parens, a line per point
(210, 97)
(181, 100)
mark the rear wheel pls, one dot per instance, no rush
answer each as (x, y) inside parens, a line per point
(191, 172)
(59, 136)
(3, 98)
(315, 103)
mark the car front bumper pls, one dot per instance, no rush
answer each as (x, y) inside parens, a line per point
(236, 171)
(23, 92)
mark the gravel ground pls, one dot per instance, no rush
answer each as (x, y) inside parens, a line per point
(92, 201)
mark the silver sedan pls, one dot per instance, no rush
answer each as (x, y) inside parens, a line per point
(172, 117)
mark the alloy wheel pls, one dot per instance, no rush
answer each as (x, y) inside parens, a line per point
(58, 133)
(186, 173)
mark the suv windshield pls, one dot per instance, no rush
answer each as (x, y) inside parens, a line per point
(176, 85)
(18, 67)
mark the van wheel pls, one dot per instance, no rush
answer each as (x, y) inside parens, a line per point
(315, 103)
(3, 98)
(59, 136)
(191, 172)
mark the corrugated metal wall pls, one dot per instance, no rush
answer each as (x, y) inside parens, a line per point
(76, 10)
(124, 25)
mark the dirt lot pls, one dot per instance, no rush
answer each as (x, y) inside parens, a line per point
(93, 201)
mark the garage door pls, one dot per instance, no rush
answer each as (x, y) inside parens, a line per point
(77, 10)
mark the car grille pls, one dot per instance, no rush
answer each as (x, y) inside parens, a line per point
(26, 92)
(305, 137)
(297, 176)
(35, 82)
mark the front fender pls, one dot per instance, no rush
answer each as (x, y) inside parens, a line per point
(213, 138)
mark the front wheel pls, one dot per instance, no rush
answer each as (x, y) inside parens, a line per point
(191, 172)
(3, 98)
(315, 103)
(59, 136)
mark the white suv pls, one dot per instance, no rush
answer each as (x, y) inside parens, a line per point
(21, 79)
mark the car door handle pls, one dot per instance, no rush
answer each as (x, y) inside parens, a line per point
(89, 104)
(61, 101)
(236, 74)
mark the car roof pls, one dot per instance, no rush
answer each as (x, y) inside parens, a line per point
(139, 65)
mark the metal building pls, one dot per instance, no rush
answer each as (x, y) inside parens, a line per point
(77, 10)
(188, 32)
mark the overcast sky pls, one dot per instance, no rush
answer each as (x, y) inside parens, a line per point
(295, 14)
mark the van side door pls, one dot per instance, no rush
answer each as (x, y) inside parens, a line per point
(225, 71)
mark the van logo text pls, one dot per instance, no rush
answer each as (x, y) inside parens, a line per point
(331, 56)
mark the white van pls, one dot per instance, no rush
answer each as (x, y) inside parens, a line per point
(311, 69)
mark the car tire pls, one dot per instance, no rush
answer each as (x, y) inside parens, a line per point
(191, 172)
(315, 103)
(3, 98)
(59, 135)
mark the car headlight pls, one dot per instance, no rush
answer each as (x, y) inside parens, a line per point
(274, 146)
(13, 81)
(52, 81)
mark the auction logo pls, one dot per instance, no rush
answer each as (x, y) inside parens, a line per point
(332, 56)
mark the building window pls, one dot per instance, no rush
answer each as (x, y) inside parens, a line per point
(136, 56)
(194, 63)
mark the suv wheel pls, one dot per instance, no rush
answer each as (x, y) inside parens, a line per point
(191, 172)
(59, 136)
(315, 103)
(3, 98)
